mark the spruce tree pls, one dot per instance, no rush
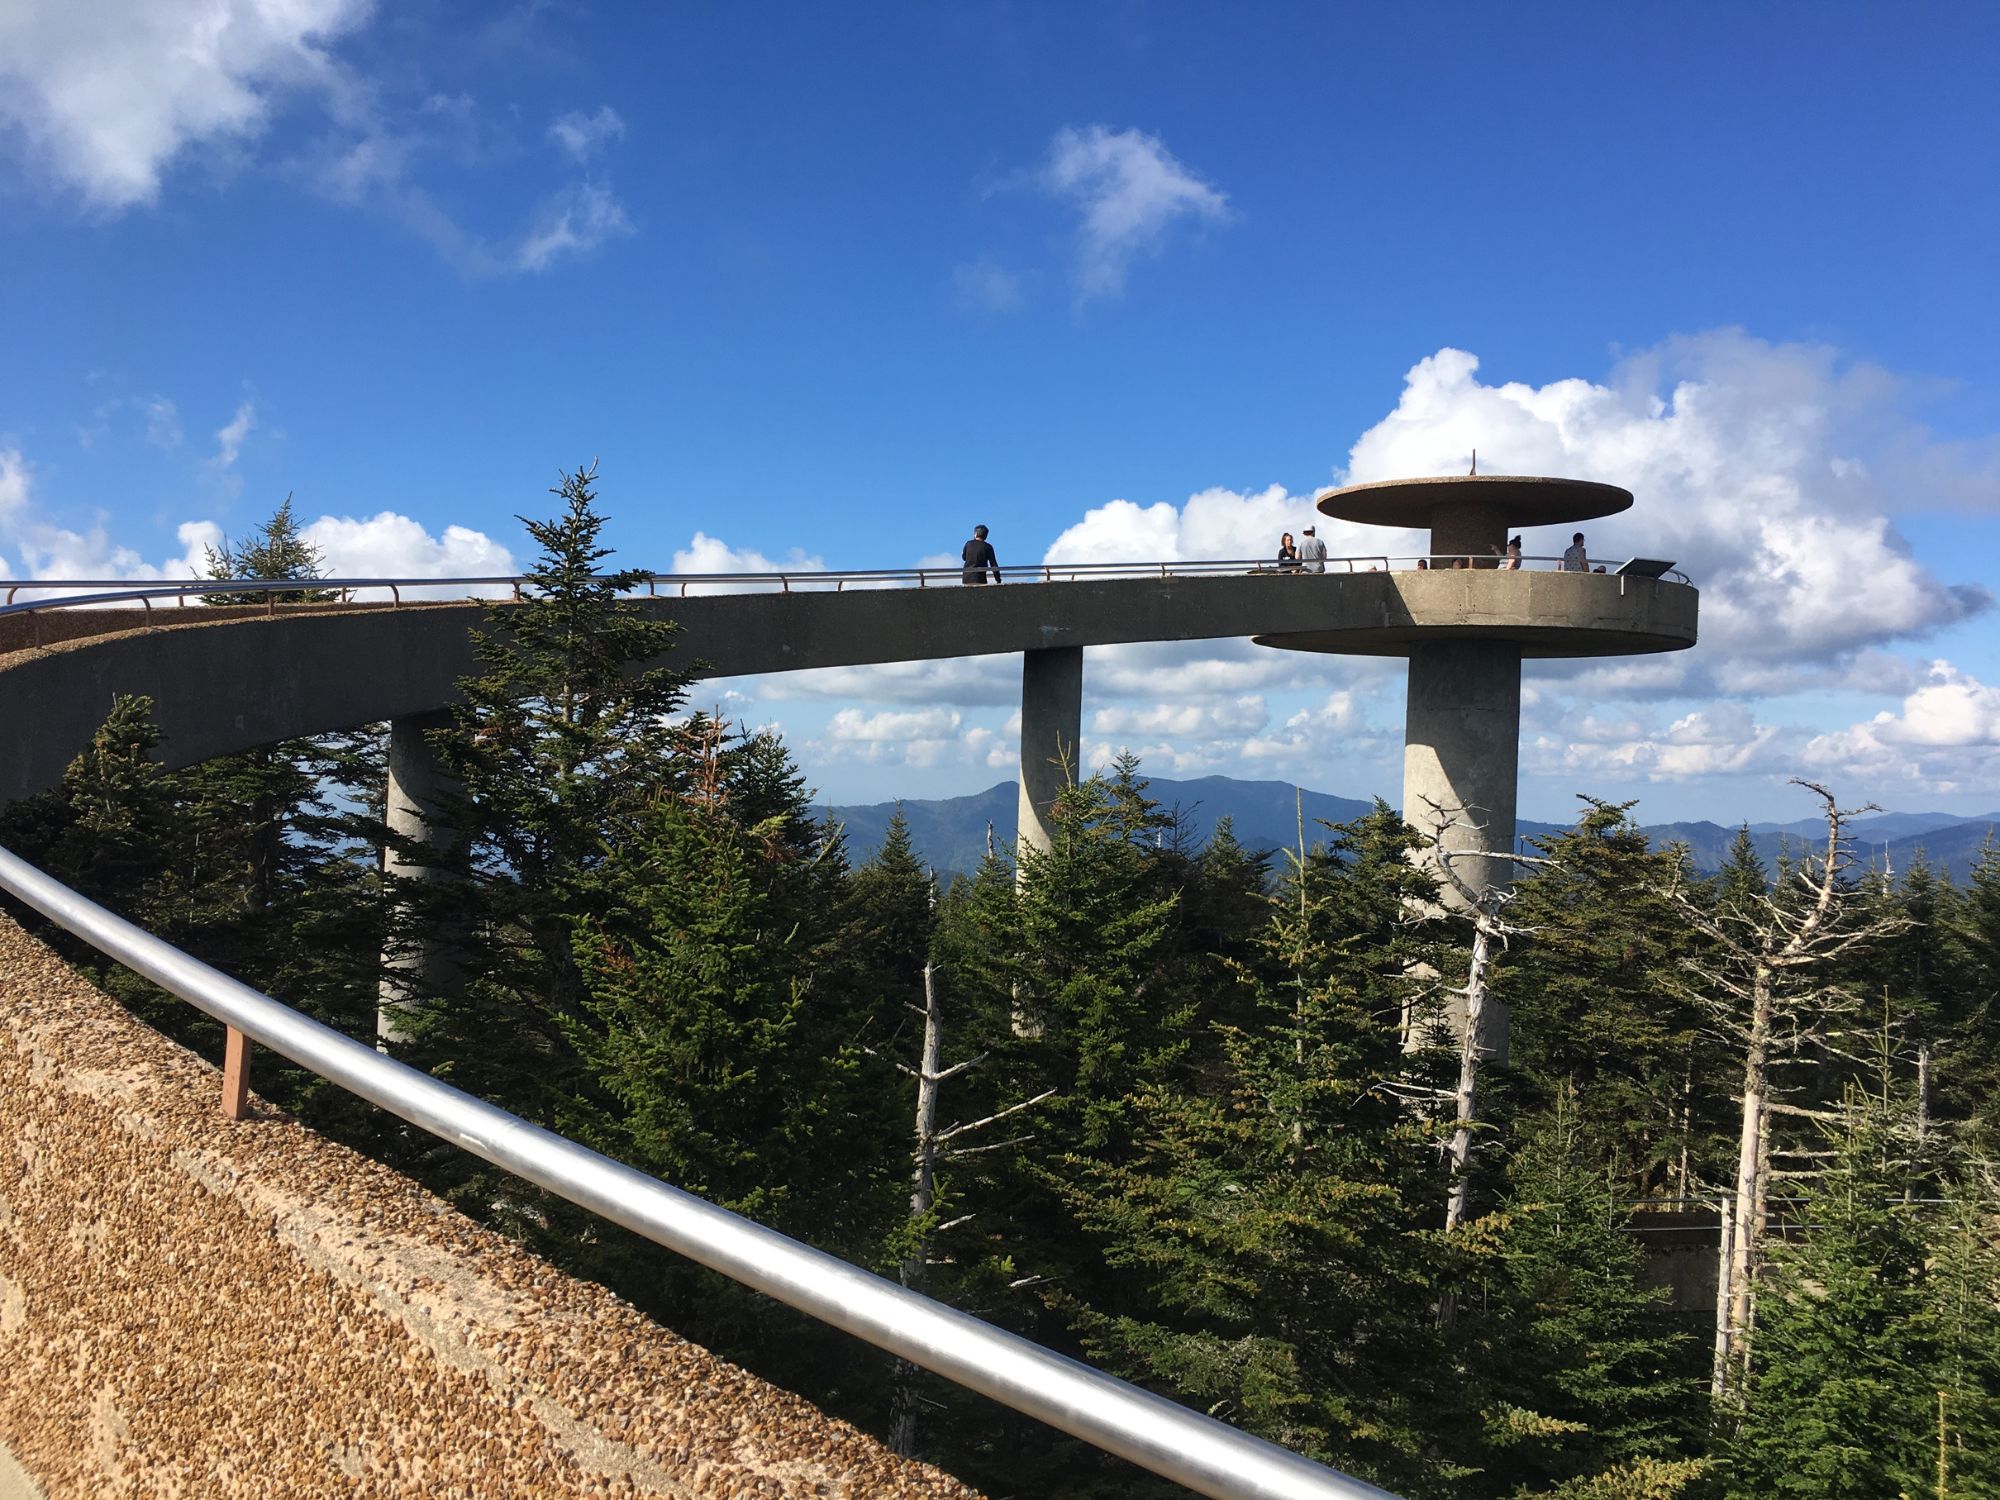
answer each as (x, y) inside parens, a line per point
(1963, 1313)
(276, 550)
(1742, 879)
(1584, 1369)
(564, 736)
(1099, 971)
(1226, 905)
(1840, 1403)
(162, 849)
(1264, 1219)
(891, 919)
(1597, 1007)
(1969, 1043)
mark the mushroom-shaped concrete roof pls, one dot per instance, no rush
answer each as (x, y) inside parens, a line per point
(1513, 500)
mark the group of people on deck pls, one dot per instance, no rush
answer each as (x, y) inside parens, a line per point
(1309, 556)
(1305, 556)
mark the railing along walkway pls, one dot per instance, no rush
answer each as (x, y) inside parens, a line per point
(1207, 1456)
(103, 591)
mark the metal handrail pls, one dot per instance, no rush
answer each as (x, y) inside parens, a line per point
(1208, 1456)
(116, 591)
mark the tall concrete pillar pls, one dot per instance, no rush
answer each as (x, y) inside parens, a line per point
(418, 790)
(1462, 752)
(1051, 722)
(1468, 530)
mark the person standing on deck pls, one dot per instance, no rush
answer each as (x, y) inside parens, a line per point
(979, 559)
(1312, 551)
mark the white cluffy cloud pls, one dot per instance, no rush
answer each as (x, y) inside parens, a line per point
(106, 96)
(920, 737)
(44, 549)
(1944, 738)
(1742, 456)
(229, 439)
(1220, 525)
(582, 135)
(964, 681)
(1589, 753)
(163, 423)
(1128, 190)
(574, 222)
(391, 545)
(710, 554)
(386, 545)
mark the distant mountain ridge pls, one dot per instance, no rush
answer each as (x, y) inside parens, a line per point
(950, 832)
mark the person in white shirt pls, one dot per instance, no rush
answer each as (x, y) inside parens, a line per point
(1312, 551)
(1574, 560)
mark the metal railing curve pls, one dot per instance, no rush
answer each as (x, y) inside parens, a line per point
(100, 591)
(1192, 1449)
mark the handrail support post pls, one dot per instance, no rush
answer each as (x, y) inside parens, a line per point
(235, 1073)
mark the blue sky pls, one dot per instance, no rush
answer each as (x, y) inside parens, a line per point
(827, 285)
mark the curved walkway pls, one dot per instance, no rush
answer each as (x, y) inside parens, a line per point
(232, 679)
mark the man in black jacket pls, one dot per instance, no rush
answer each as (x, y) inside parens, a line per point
(979, 559)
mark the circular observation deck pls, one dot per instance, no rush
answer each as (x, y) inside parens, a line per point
(1472, 514)
(1545, 614)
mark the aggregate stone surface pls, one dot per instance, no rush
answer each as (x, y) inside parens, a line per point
(191, 1307)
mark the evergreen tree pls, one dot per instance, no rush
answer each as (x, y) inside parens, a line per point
(889, 914)
(276, 852)
(975, 941)
(1840, 1402)
(112, 815)
(1963, 1286)
(1225, 902)
(107, 832)
(564, 737)
(1743, 879)
(1585, 1372)
(1969, 1044)
(1264, 1221)
(1596, 1007)
(1099, 971)
(276, 550)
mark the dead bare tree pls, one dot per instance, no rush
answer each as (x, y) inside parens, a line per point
(1765, 984)
(932, 1146)
(1484, 905)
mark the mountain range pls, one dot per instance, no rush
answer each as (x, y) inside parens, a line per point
(950, 833)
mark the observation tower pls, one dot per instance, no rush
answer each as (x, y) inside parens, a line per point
(1466, 629)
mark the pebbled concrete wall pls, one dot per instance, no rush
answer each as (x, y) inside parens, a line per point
(190, 1307)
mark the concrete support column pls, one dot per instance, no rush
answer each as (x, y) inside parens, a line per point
(1465, 530)
(418, 790)
(1462, 752)
(1051, 722)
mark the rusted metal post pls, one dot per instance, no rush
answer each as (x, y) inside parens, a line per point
(235, 1073)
